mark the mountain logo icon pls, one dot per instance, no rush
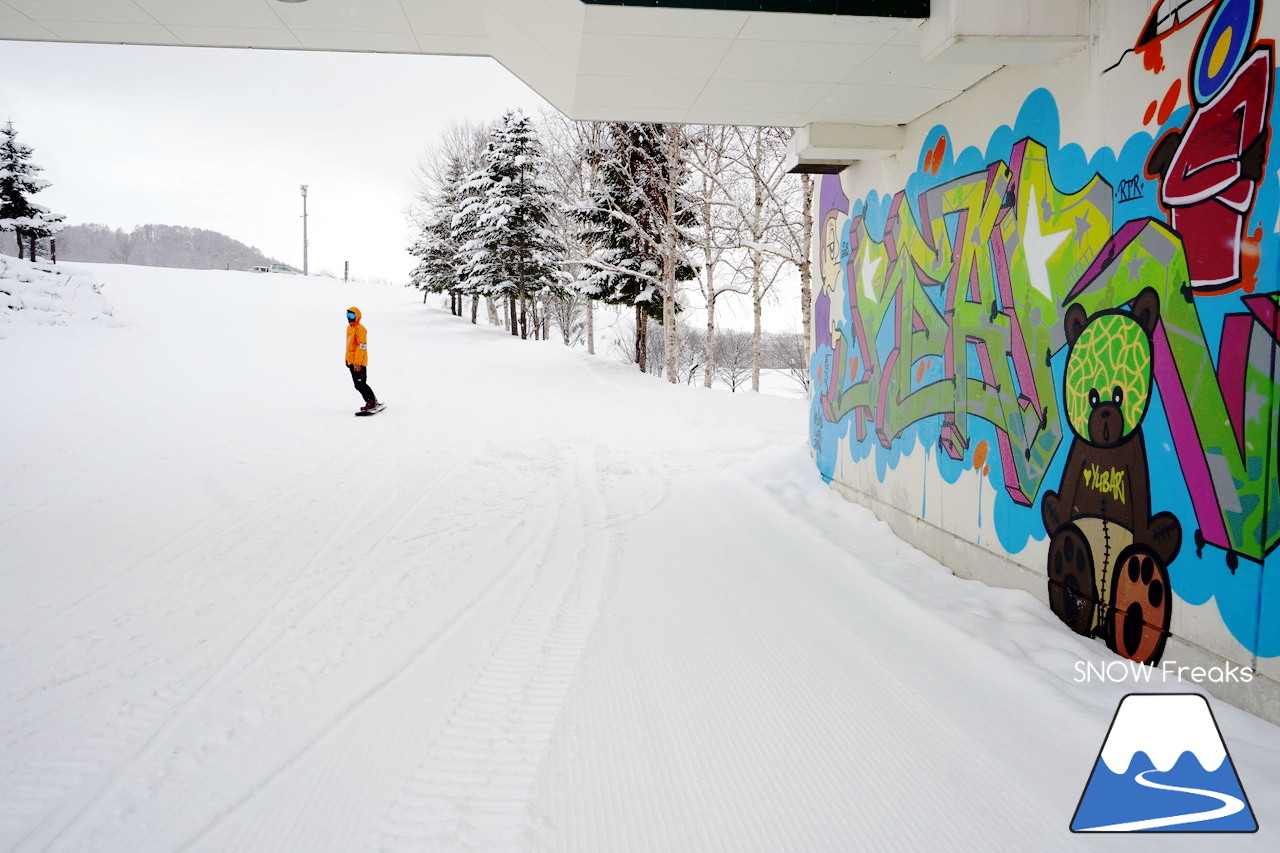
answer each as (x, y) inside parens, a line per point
(1164, 768)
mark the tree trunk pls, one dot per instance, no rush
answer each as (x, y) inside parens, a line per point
(524, 313)
(669, 310)
(670, 247)
(709, 267)
(515, 324)
(591, 326)
(709, 358)
(642, 339)
(757, 274)
(806, 266)
(639, 339)
(757, 303)
(475, 304)
(21, 248)
(33, 248)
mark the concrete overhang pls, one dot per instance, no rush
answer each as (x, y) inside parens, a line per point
(824, 148)
(1031, 32)
(690, 61)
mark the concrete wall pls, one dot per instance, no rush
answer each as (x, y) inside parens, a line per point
(1045, 341)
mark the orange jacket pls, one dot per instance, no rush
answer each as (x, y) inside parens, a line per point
(357, 352)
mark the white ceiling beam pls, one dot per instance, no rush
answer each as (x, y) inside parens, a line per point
(825, 148)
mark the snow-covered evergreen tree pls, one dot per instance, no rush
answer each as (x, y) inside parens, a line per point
(639, 215)
(510, 248)
(470, 263)
(438, 179)
(18, 183)
(435, 246)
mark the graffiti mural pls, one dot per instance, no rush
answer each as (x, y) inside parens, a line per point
(1108, 556)
(1099, 329)
(1210, 167)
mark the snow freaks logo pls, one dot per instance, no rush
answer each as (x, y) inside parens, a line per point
(1131, 670)
(1163, 768)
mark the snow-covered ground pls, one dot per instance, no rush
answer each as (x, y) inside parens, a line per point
(43, 294)
(541, 602)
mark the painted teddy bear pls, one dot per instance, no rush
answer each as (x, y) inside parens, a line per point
(1108, 555)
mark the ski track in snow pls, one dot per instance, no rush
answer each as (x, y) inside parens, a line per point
(543, 603)
(471, 790)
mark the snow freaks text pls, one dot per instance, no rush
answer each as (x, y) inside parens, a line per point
(1119, 671)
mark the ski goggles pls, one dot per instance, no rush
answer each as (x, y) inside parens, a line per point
(351, 315)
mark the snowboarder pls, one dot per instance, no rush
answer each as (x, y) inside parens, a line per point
(358, 359)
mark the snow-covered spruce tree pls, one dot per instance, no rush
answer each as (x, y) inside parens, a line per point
(438, 178)
(435, 247)
(639, 217)
(470, 262)
(18, 183)
(511, 249)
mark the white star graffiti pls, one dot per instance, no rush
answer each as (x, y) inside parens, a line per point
(867, 272)
(1038, 247)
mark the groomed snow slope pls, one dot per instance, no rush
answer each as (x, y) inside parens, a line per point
(542, 602)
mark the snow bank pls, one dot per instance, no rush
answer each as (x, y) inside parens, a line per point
(34, 295)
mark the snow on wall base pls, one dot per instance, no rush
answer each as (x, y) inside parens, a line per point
(963, 558)
(1260, 697)
(42, 294)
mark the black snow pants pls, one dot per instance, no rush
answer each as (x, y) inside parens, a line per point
(360, 376)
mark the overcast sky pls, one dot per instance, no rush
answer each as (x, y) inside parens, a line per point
(222, 139)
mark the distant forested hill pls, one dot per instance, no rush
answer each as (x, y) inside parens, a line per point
(157, 246)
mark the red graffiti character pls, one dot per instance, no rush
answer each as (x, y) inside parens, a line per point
(1209, 170)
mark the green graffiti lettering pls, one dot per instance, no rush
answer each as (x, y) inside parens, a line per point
(956, 309)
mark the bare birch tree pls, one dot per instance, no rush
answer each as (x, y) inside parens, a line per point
(760, 154)
(566, 147)
(717, 182)
(791, 200)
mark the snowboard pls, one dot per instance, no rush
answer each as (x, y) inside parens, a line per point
(363, 414)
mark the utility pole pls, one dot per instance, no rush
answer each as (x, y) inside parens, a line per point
(304, 229)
